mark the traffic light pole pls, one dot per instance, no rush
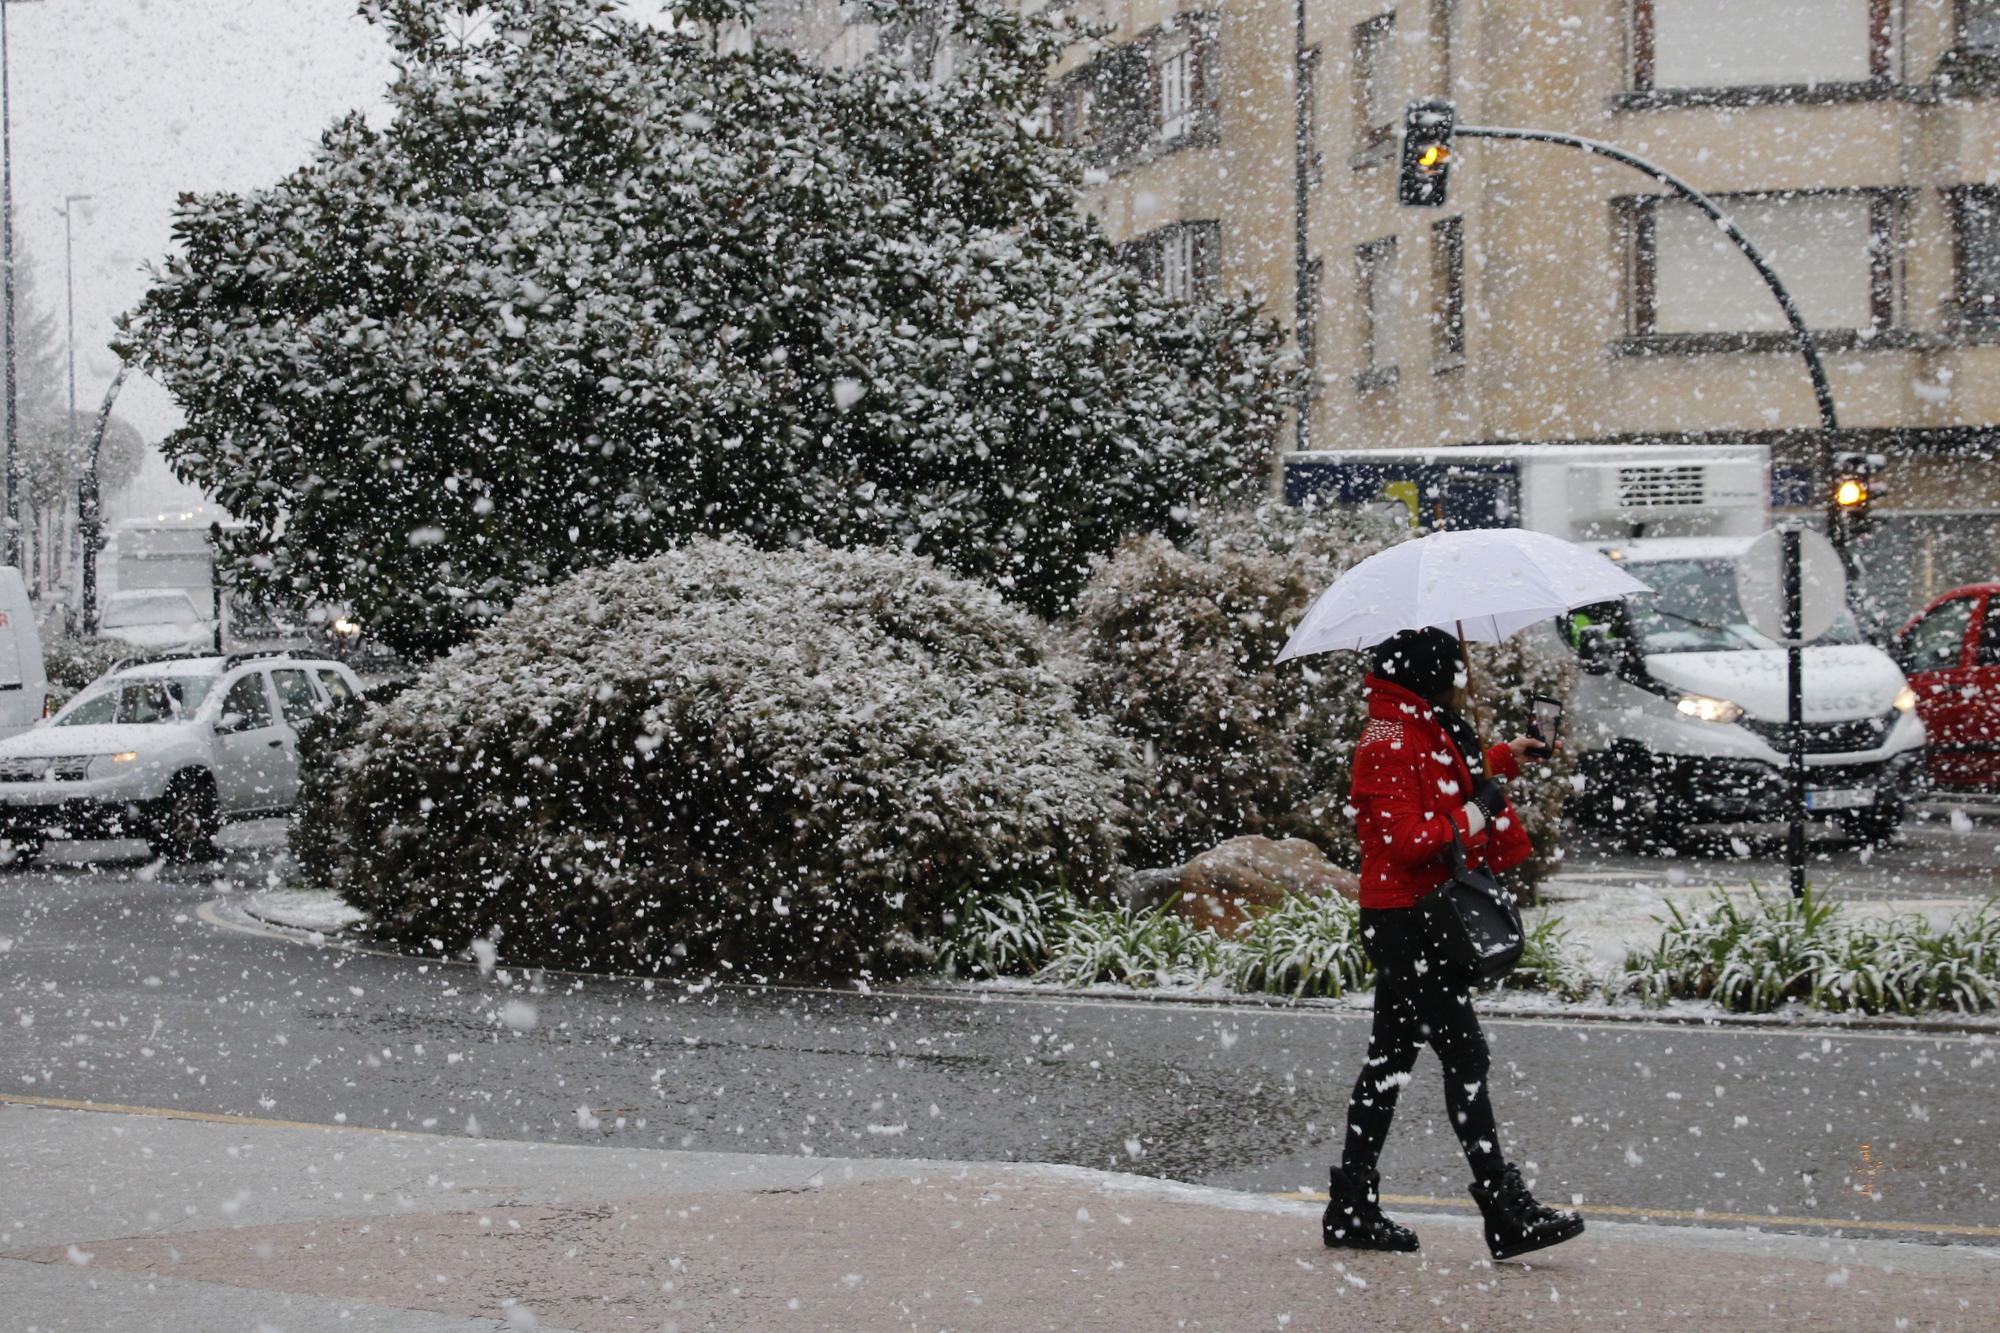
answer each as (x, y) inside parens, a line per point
(1822, 389)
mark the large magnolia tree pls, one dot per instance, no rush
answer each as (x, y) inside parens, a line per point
(596, 285)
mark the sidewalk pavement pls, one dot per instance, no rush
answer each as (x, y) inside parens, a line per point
(114, 1220)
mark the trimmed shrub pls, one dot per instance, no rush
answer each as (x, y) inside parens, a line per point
(1182, 644)
(782, 762)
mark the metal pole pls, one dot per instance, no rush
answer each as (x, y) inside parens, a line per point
(90, 525)
(1795, 836)
(215, 578)
(7, 262)
(1822, 390)
(69, 304)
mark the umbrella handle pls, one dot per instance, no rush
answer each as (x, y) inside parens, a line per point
(1471, 694)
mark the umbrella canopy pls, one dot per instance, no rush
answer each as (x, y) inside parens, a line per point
(1486, 584)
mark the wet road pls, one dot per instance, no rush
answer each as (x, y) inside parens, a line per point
(115, 987)
(1947, 848)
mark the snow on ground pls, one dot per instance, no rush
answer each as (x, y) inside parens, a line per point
(302, 909)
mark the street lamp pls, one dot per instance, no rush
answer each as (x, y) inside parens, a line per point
(69, 300)
(7, 264)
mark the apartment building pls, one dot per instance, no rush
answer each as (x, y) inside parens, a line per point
(1252, 145)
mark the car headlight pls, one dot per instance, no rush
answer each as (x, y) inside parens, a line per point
(1906, 699)
(1704, 709)
(111, 765)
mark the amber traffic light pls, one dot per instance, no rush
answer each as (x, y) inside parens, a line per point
(1426, 167)
(1851, 493)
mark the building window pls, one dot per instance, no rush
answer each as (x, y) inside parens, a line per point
(1761, 43)
(1979, 27)
(1447, 294)
(1834, 250)
(1975, 215)
(1444, 22)
(1376, 89)
(1176, 80)
(1375, 281)
(1177, 266)
(1179, 259)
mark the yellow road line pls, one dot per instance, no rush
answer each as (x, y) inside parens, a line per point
(207, 1117)
(1681, 1215)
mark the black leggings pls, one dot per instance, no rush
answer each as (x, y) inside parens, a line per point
(1414, 1004)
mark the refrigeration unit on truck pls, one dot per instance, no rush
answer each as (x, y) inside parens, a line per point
(1679, 715)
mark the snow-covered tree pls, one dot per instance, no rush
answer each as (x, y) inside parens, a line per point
(597, 286)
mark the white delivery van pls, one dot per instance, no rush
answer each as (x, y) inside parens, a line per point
(24, 684)
(1679, 716)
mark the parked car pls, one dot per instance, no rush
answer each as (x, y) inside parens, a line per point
(157, 620)
(24, 682)
(166, 750)
(1951, 652)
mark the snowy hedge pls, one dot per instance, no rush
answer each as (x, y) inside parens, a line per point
(1182, 643)
(595, 284)
(781, 763)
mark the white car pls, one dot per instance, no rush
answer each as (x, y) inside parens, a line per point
(157, 620)
(166, 750)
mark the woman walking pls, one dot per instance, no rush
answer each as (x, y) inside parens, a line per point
(1421, 786)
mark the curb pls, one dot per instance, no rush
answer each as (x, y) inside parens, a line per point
(1805, 1022)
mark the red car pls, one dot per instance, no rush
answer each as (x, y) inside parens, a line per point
(1951, 653)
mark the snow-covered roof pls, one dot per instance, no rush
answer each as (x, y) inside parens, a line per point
(1657, 454)
(1645, 550)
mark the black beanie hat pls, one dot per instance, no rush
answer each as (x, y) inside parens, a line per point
(1423, 661)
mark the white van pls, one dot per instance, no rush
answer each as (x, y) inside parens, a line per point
(24, 684)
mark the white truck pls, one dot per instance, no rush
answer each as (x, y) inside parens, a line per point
(1679, 717)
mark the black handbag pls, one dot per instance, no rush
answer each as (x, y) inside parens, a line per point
(1471, 923)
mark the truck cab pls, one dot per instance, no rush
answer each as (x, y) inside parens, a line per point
(1679, 716)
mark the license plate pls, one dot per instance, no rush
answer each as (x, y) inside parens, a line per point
(1844, 798)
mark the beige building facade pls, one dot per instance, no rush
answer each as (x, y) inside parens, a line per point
(1251, 145)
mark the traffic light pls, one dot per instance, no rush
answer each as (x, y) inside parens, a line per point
(1854, 493)
(1427, 128)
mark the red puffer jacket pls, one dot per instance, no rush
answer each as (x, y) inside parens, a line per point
(1410, 789)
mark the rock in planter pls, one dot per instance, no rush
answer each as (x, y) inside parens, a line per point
(1228, 884)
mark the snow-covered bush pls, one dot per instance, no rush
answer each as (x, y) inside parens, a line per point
(1302, 947)
(1551, 961)
(774, 762)
(1006, 934)
(1158, 947)
(320, 837)
(73, 661)
(1754, 957)
(594, 284)
(1183, 643)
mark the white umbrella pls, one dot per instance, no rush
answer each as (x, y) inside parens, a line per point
(1486, 584)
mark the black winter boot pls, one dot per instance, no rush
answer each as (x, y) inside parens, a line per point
(1515, 1222)
(1354, 1219)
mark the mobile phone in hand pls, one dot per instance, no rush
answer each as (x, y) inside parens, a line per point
(1545, 720)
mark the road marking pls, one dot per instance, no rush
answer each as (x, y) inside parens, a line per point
(1678, 1215)
(207, 1117)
